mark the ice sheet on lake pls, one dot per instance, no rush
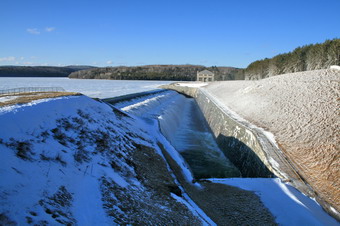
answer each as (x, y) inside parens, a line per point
(98, 88)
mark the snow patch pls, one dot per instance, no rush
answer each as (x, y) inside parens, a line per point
(288, 205)
(8, 98)
(335, 67)
(87, 205)
(192, 85)
(194, 208)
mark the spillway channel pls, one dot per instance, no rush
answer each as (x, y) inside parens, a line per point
(184, 126)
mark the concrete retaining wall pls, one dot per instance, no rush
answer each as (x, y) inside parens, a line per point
(114, 100)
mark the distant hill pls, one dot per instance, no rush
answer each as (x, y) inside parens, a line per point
(305, 58)
(79, 67)
(157, 72)
(39, 71)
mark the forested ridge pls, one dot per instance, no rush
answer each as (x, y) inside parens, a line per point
(305, 58)
(157, 72)
(39, 71)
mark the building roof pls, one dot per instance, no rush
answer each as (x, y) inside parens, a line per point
(205, 72)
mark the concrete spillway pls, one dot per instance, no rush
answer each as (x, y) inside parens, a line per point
(195, 142)
(184, 126)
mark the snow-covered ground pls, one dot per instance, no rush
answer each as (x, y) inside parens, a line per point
(288, 205)
(98, 88)
(193, 84)
(73, 160)
(8, 98)
(301, 111)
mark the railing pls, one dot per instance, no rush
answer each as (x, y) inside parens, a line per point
(31, 90)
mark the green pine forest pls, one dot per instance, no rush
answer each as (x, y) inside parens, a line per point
(305, 58)
(157, 72)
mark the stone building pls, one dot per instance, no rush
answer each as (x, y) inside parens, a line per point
(205, 76)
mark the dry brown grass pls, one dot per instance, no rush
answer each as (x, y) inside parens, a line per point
(23, 98)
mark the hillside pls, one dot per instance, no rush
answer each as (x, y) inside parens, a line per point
(75, 161)
(156, 72)
(305, 58)
(302, 111)
(39, 71)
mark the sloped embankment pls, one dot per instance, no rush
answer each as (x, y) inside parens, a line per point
(300, 109)
(73, 160)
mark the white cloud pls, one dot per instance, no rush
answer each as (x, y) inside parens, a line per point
(27, 63)
(49, 29)
(7, 59)
(109, 62)
(11, 60)
(33, 31)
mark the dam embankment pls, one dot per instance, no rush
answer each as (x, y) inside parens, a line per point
(300, 109)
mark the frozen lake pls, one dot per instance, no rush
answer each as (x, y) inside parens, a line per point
(91, 87)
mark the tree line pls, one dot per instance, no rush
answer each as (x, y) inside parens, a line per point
(157, 72)
(305, 58)
(39, 71)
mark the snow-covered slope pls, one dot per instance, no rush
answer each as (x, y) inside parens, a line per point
(73, 160)
(302, 111)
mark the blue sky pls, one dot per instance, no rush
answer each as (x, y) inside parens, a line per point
(142, 32)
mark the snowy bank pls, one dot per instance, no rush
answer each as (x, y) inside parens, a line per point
(300, 109)
(192, 84)
(288, 205)
(335, 67)
(74, 160)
